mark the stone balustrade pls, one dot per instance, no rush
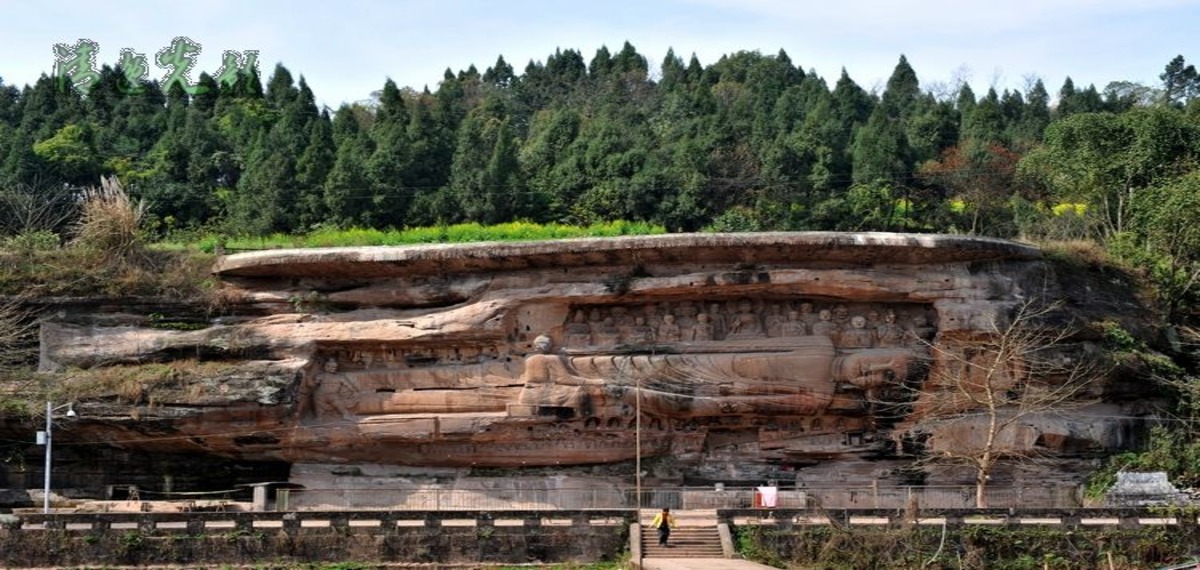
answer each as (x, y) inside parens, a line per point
(377, 522)
(1064, 518)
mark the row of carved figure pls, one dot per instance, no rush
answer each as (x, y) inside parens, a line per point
(389, 357)
(332, 394)
(605, 326)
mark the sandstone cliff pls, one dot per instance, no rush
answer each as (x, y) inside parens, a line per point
(734, 357)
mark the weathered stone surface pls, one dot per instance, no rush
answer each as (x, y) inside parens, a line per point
(1138, 489)
(762, 351)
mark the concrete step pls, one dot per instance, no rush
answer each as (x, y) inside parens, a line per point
(675, 551)
(685, 542)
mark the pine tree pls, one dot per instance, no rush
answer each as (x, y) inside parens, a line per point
(208, 91)
(347, 187)
(312, 170)
(903, 91)
(472, 184)
(1066, 100)
(1180, 80)
(986, 121)
(965, 103)
(499, 75)
(1034, 117)
(881, 151)
(388, 165)
(431, 151)
(281, 88)
(601, 64)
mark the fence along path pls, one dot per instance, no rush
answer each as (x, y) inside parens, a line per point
(516, 497)
(379, 520)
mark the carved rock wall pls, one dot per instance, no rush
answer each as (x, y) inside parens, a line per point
(765, 351)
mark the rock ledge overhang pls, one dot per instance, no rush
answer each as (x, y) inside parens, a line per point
(718, 248)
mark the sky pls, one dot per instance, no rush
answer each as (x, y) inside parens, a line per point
(348, 48)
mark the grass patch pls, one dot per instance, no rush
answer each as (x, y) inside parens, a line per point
(140, 383)
(182, 269)
(458, 233)
(77, 272)
(1083, 254)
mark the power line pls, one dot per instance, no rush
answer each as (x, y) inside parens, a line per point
(300, 427)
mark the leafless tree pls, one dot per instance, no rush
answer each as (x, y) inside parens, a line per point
(36, 207)
(986, 385)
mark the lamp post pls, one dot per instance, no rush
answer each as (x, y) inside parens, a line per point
(637, 449)
(46, 438)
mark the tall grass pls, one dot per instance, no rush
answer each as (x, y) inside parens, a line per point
(458, 233)
(110, 224)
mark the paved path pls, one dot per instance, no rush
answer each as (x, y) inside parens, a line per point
(701, 564)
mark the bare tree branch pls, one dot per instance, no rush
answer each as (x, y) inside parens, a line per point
(36, 207)
(984, 386)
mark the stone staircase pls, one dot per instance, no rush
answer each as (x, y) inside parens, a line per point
(686, 542)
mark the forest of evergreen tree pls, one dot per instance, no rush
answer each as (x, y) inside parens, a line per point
(751, 142)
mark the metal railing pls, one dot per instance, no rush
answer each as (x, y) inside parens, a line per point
(514, 497)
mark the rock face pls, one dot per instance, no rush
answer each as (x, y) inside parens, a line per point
(732, 355)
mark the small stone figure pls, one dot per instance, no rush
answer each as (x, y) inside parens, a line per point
(703, 329)
(793, 326)
(685, 315)
(857, 335)
(621, 316)
(807, 316)
(334, 393)
(889, 334)
(745, 324)
(920, 333)
(640, 333)
(578, 333)
(841, 316)
(774, 320)
(607, 334)
(393, 358)
(825, 326)
(720, 326)
(669, 331)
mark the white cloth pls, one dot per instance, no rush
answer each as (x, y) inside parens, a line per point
(768, 496)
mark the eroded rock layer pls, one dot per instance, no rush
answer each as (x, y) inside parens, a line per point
(767, 351)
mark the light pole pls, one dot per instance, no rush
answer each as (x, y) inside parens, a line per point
(637, 449)
(46, 438)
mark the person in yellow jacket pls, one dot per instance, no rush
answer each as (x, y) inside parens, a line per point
(663, 522)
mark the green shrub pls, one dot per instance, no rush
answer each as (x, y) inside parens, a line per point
(32, 241)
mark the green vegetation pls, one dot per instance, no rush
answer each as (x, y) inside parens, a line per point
(73, 272)
(973, 546)
(750, 142)
(457, 233)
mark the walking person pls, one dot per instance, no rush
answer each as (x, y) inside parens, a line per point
(663, 522)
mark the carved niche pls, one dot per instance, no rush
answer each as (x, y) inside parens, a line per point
(775, 368)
